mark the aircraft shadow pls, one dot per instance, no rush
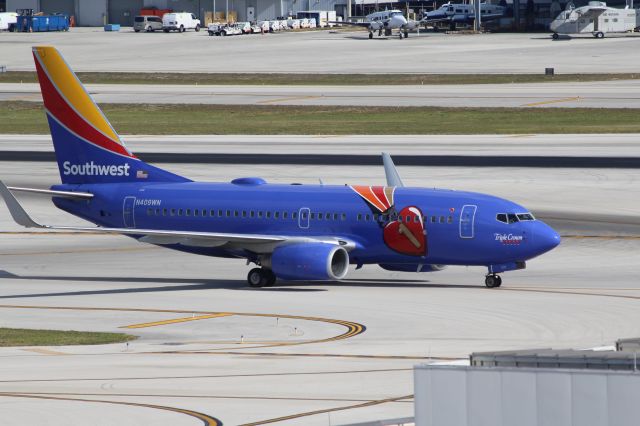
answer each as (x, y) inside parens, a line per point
(191, 284)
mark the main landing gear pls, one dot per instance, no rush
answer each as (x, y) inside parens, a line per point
(370, 35)
(492, 281)
(261, 277)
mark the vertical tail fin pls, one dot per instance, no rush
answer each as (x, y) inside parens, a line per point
(88, 149)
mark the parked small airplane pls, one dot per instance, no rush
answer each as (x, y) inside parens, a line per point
(595, 18)
(458, 13)
(385, 22)
(293, 232)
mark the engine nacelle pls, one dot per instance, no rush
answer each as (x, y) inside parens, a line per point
(411, 267)
(315, 261)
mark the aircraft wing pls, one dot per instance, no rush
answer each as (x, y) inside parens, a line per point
(355, 24)
(258, 243)
(427, 20)
(492, 16)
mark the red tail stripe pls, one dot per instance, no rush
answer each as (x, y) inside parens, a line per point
(62, 112)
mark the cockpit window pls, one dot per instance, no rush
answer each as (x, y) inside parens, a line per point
(511, 217)
(526, 216)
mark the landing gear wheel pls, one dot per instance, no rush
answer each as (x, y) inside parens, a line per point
(256, 278)
(270, 277)
(400, 35)
(370, 35)
(406, 34)
(260, 277)
(555, 36)
(492, 281)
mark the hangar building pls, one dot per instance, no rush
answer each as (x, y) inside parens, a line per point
(98, 12)
(522, 15)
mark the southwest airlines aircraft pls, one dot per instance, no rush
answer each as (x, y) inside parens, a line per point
(292, 232)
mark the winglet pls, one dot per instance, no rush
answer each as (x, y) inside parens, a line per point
(393, 178)
(17, 212)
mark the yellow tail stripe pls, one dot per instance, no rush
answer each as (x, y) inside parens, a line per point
(72, 90)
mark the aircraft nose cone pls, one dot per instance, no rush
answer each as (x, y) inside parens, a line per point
(546, 238)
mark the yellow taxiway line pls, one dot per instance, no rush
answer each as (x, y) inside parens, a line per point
(178, 320)
(206, 419)
(554, 101)
(330, 410)
(43, 351)
(352, 328)
(291, 98)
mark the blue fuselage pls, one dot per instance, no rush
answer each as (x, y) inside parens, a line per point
(461, 228)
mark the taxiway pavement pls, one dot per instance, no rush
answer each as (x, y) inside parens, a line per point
(598, 94)
(278, 353)
(93, 49)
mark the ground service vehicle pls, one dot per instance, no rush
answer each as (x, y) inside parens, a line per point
(147, 23)
(180, 22)
(8, 21)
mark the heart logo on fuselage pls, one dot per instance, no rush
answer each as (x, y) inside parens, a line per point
(406, 234)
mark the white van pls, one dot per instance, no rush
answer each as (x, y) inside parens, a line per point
(8, 21)
(180, 22)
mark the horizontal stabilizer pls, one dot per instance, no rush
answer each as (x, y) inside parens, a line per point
(52, 193)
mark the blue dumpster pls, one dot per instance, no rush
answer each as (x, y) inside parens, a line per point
(41, 23)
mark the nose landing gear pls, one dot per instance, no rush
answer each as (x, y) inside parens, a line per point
(492, 281)
(261, 277)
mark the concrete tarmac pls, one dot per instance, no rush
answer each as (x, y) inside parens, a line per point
(92, 49)
(602, 94)
(297, 364)
(539, 145)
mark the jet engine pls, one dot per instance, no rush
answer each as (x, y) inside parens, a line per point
(411, 267)
(316, 262)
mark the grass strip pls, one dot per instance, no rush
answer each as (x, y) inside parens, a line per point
(28, 117)
(315, 79)
(26, 337)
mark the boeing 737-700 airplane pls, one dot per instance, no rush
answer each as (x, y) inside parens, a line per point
(292, 232)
